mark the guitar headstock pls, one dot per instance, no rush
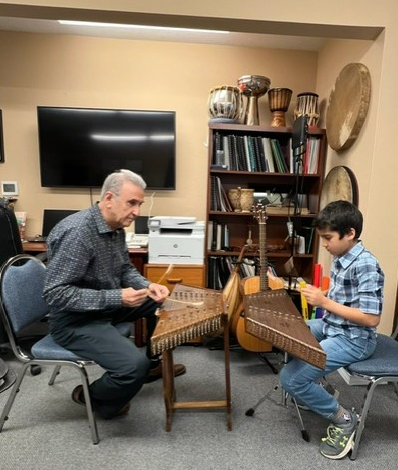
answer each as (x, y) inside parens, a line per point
(260, 213)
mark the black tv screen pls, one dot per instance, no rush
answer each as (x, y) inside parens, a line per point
(80, 147)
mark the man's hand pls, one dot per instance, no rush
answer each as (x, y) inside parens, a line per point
(132, 297)
(158, 292)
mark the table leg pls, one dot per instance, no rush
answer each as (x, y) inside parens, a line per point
(168, 386)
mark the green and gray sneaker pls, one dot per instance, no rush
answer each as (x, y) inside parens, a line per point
(339, 439)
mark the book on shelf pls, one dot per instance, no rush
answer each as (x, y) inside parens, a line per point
(218, 197)
(243, 161)
(217, 236)
(227, 152)
(249, 157)
(259, 152)
(258, 158)
(278, 156)
(209, 239)
(269, 157)
(312, 155)
(244, 152)
(307, 162)
(308, 234)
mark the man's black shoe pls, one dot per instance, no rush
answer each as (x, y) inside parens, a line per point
(157, 372)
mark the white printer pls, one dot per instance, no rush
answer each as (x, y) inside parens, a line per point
(176, 240)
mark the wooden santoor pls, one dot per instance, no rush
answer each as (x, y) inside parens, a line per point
(272, 316)
(188, 313)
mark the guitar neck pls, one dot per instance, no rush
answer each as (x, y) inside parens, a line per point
(263, 257)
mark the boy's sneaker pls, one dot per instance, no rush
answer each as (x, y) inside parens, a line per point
(339, 439)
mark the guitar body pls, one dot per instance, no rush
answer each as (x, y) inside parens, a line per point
(252, 285)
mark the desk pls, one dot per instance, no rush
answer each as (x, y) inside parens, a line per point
(138, 256)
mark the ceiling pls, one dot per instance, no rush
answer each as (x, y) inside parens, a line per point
(269, 41)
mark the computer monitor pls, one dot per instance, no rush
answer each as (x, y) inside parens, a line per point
(51, 217)
(141, 225)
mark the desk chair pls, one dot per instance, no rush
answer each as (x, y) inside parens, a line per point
(10, 245)
(7, 376)
(380, 368)
(21, 287)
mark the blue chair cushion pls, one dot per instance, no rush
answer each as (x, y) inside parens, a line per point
(48, 349)
(383, 362)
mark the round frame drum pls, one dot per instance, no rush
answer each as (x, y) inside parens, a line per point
(340, 184)
(348, 106)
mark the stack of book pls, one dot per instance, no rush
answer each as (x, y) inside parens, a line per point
(237, 152)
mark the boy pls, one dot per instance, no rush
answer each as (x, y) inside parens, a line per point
(347, 331)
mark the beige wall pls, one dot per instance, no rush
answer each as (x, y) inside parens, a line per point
(95, 72)
(38, 70)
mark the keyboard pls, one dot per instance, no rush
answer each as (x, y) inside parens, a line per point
(37, 239)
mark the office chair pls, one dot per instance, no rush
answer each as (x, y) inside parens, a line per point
(7, 376)
(21, 287)
(10, 244)
(380, 368)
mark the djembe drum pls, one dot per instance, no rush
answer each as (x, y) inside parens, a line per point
(225, 104)
(190, 312)
(253, 87)
(307, 105)
(279, 101)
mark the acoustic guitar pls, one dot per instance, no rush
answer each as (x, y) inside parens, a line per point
(252, 285)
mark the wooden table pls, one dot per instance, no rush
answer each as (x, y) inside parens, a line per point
(138, 256)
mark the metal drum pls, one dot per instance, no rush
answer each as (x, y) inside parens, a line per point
(253, 86)
(225, 104)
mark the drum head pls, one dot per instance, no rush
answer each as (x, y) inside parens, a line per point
(348, 106)
(339, 184)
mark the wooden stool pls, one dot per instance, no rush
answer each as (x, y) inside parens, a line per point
(190, 312)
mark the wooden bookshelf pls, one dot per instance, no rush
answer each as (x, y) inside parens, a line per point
(244, 169)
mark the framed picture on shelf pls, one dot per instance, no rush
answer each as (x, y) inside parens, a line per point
(1, 139)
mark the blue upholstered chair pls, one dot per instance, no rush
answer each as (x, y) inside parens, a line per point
(380, 368)
(22, 304)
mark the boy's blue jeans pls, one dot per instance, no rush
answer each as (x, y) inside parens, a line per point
(301, 380)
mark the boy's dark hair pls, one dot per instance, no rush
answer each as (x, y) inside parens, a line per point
(341, 217)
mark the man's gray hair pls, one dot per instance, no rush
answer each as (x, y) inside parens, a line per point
(115, 180)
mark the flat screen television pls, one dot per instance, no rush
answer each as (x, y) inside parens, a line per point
(79, 147)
